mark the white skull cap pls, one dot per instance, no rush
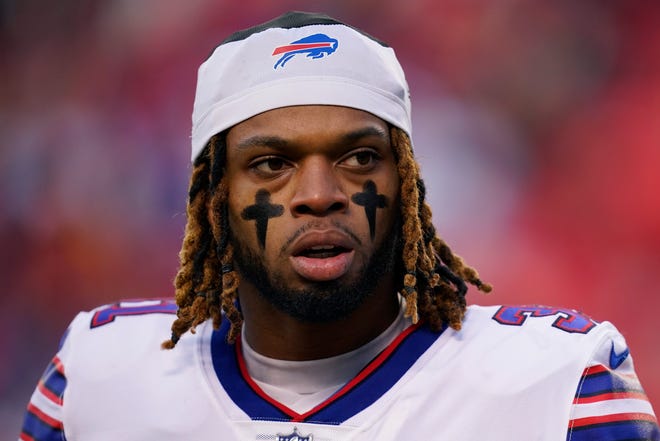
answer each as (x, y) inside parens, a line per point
(297, 59)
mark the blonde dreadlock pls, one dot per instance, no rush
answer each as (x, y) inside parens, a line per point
(206, 285)
(434, 277)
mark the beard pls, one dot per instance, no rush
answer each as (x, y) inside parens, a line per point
(323, 301)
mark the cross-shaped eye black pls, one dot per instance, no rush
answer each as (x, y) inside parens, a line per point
(370, 200)
(260, 212)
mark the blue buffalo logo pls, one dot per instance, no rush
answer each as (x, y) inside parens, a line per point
(315, 46)
(295, 436)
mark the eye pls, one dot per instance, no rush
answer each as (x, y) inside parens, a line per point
(362, 159)
(269, 165)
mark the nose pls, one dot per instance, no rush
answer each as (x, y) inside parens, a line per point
(318, 190)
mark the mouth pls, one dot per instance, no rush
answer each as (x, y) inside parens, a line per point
(323, 251)
(322, 256)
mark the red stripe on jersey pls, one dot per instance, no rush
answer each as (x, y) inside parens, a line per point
(612, 418)
(52, 422)
(599, 369)
(48, 393)
(364, 373)
(25, 437)
(368, 370)
(611, 396)
(296, 47)
(58, 365)
(255, 387)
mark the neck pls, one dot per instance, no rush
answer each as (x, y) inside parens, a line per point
(275, 334)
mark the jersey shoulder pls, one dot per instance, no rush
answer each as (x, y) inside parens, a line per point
(553, 336)
(123, 316)
(588, 361)
(537, 344)
(114, 332)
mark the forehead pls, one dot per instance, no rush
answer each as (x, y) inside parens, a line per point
(309, 123)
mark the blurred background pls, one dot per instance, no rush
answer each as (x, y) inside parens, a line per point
(536, 123)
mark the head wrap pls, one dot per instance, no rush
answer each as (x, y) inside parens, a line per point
(297, 59)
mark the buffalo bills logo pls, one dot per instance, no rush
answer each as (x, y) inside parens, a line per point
(295, 436)
(315, 46)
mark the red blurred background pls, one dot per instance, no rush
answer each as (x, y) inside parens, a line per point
(536, 123)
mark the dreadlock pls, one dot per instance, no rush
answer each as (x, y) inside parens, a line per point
(207, 283)
(434, 278)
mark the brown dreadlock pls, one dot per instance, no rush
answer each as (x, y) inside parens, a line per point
(206, 285)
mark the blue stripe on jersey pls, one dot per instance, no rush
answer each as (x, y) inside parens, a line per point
(36, 428)
(108, 314)
(619, 431)
(606, 382)
(228, 372)
(358, 398)
(369, 390)
(53, 380)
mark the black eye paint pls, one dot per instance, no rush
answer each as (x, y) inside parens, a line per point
(370, 200)
(260, 212)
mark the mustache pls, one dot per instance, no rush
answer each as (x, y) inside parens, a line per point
(319, 224)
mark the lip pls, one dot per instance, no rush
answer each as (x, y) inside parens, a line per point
(315, 238)
(322, 269)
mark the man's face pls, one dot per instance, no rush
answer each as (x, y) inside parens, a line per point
(313, 204)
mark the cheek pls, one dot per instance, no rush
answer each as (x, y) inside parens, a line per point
(241, 230)
(392, 211)
(378, 201)
(387, 216)
(254, 225)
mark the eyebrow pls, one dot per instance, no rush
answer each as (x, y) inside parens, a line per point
(277, 142)
(366, 132)
(262, 141)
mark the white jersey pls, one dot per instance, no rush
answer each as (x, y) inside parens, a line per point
(511, 373)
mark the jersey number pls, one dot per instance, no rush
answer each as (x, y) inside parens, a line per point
(567, 319)
(108, 314)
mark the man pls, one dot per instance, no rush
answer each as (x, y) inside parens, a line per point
(320, 301)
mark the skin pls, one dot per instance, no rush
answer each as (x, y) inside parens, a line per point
(260, 212)
(311, 160)
(371, 201)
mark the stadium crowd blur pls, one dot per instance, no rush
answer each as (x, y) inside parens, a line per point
(537, 124)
